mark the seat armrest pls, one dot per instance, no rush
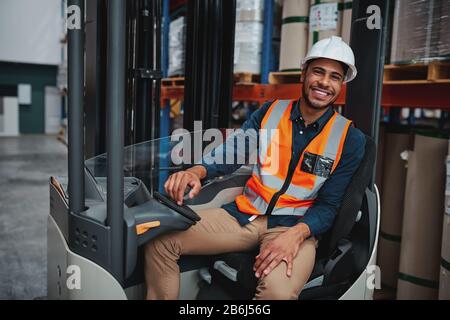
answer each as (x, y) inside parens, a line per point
(339, 267)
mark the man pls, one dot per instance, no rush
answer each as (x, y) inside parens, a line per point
(284, 209)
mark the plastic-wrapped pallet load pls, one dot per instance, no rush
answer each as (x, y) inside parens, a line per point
(177, 46)
(393, 186)
(420, 254)
(444, 37)
(248, 36)
(249, 10)
(420, 31)
(294, 34)
(325, 20)
(346, 8)
(248, 47)
(444, 279)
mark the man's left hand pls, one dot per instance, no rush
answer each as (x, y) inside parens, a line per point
(283, 248)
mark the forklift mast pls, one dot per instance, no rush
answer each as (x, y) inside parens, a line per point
(209, 63)
(142, 69)
(363, 98)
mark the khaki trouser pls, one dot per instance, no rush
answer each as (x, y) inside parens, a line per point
(219, 232)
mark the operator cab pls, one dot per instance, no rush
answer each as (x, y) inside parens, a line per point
(343, 254)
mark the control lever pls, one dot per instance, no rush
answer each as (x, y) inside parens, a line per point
(184, 210)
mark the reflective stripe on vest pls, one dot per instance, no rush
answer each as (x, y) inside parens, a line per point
(275, 151)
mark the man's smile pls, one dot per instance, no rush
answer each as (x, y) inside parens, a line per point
(320, 94)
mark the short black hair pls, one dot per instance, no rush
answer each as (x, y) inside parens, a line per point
(345, 66)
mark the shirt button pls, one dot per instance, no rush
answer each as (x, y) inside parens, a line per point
(301, 131)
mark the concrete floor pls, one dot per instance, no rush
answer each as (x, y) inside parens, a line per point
(26, 163)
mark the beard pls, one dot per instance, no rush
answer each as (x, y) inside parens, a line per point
(315, 105)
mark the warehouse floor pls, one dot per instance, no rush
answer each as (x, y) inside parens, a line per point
(26, 163)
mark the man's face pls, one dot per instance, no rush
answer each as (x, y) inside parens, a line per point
(322, 82)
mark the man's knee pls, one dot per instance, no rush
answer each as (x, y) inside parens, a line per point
(163, 245)
(269, 288)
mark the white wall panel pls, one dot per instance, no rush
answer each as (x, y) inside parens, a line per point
(30, 31)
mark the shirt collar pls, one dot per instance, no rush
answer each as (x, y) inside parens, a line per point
(319, 123)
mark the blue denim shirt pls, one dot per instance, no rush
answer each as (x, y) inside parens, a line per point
(320, 216)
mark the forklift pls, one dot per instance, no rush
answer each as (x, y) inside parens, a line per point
(111, 203)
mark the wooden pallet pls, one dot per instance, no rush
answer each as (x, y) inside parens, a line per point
(173, 82)
(246, 78)
(433, 72)
(384, 294)
(283, 77)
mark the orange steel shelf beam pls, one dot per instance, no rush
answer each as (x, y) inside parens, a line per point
(253, 92)
(420, 95)
(264, 92)
(425, 95)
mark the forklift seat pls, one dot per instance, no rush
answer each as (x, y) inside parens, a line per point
(342, 254)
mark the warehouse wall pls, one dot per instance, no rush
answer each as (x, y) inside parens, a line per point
(31, 117)
(30, 31)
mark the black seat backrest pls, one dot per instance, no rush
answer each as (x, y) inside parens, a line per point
(351, 202)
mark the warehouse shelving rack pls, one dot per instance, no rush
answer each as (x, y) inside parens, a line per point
(424, 95)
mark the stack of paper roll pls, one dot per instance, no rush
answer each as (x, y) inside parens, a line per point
(294, 34)
(420, 254)
(325, 20)
(393, 186)
(444, 279)
(248, 36)
(346, 8)
(380, 156)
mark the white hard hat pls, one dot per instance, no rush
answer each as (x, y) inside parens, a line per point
(336, 49)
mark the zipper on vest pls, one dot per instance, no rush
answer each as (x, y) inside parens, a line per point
(295, 159)
(291, 170)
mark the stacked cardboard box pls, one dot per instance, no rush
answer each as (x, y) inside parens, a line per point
(444, 37)
(420, 31)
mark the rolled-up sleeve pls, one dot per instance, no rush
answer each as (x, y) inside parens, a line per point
(320, 216)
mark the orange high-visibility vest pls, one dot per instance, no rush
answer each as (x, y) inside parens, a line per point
(317, 162)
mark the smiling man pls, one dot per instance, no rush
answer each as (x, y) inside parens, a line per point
(283, 211)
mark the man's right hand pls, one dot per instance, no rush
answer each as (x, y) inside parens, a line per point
(177, 183)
